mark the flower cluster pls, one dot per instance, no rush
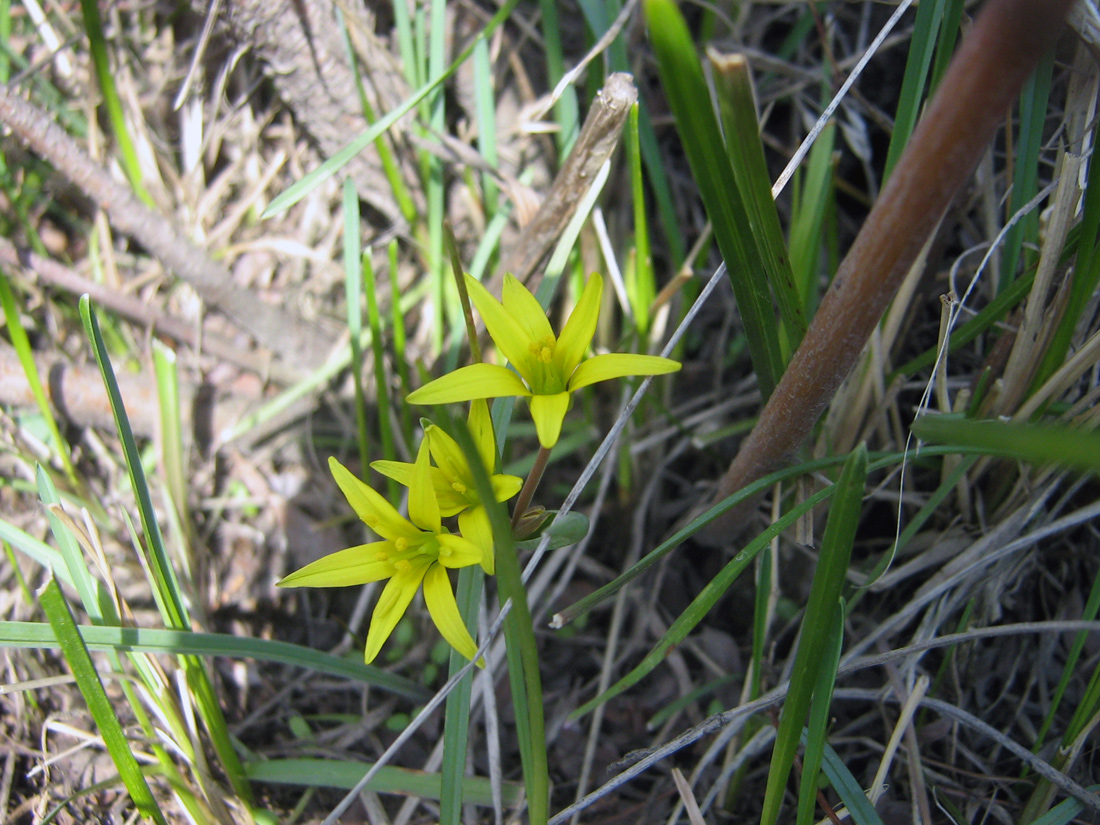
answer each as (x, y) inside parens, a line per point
(420, 549)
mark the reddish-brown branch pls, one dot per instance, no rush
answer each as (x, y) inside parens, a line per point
(985, 76)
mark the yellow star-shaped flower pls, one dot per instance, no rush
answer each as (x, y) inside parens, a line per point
(453, 480)
(550, 367)
(412, 551)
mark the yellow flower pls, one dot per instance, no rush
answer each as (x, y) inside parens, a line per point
(550, 367)
(453, 480)
(412, 550)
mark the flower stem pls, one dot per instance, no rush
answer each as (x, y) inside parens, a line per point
(463, 295)
(530, 485)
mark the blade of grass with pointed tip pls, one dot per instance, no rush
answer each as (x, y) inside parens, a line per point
(813, 643)
(22, 346)
(87, 679)
(686, 89)
(1033, 443)
(565, 109)
(330, 167)
(733, 84)
(164, 579)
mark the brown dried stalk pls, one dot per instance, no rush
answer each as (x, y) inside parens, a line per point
(272, 326)
(985, 76)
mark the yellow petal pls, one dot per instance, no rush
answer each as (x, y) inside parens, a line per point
(577, 333)
(504, 486)
(475, 526)
(399, 471)
(391, 606)
(423, 506)
(402, 472)
(526, 310)
(378, 514)
(355, 565)
(618, 365)
(456, 551)
(508, 333)
(481, 428)
(443, 608)
(548, 412)
(468, 383)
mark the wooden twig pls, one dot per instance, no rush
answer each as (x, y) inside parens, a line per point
(985, 76)
(272, 326)
(50, 273)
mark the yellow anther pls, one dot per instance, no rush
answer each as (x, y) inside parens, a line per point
(401, 543)
(402, 566)
(458, 487)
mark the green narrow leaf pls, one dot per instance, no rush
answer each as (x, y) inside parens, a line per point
(1025, 181)
(921, 48)
(22, 346)
(87, 679)
(1033, 443)
(817, 728)
(687, 93)
(519, 636)
(733, 83)
(173, 458)
(945, 46)
(808, 217)
(817, 625)
(565, 109)
(97, 45)
(848, 789)
(640, 283)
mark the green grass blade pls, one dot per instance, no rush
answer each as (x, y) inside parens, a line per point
(37, 550)
(176, 615)
(381, 384)
(817, 728)
(94, 597)
(1025, 181)
(330, 167)
(444, 309)
(334, 773)
(97, 45)
(353, 297)
(808, 217)
(703, 602)
(1064, 812)
(1033, 443)
(848, 789)
(817, 625)
(750, 169)
(87, 679)
(921, 48)
(456, 722)
(565, 109)
(640, 283)
(519, 636)
(397, 324)
(173, 457)
(485, 112)
(22, 346)
(684, 85)
(945, 46)
(180, 642)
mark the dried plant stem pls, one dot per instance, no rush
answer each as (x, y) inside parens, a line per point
(271, 326)
(1007, 41)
